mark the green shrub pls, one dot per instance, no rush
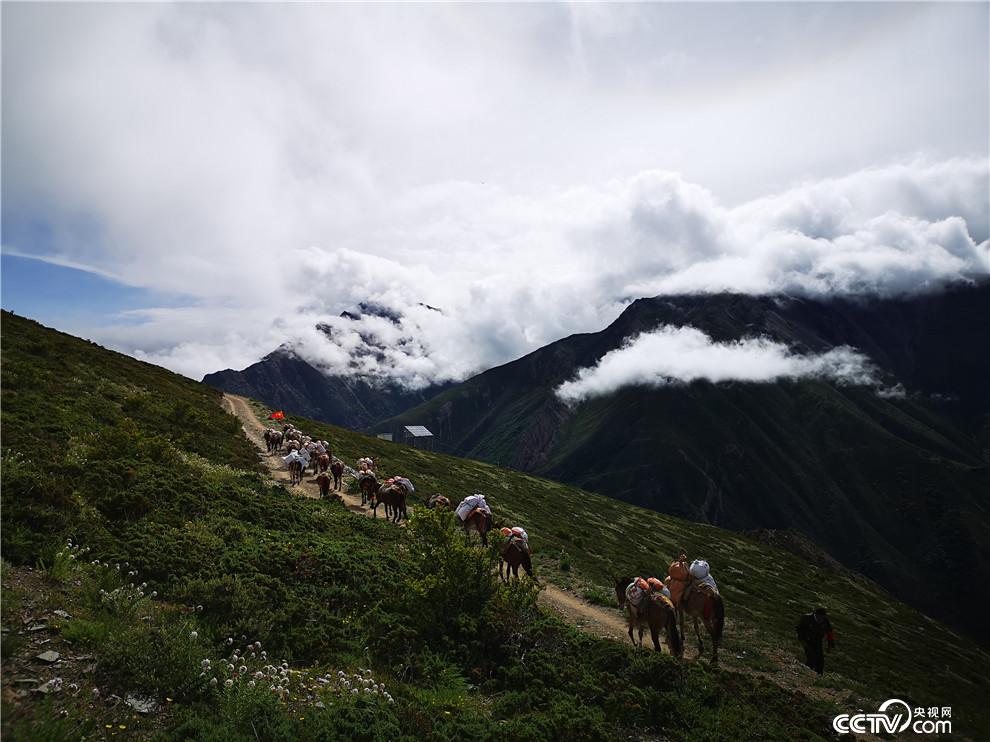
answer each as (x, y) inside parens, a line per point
(161, 660)
(86, 632)
(597, 596)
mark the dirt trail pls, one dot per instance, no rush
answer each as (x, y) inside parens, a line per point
(592, 619)
(596, 620)
(254, 429)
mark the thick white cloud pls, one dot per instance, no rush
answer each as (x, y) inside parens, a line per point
(277, 165)
(671, 355)
(565, 264)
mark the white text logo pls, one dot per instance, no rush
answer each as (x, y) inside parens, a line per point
(895, 716)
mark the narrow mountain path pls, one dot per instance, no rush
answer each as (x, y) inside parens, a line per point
(254, 429)
(603, 622)
(593, 619)
(590, 618)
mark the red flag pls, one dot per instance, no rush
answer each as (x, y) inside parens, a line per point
(277, 415)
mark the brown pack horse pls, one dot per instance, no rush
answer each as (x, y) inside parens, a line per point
(394, 498)
(273, 439)
(369, 489)
(515, 553)
(438, 501)
(337, 470)
(480, 521)
(323, 461)
(295, 472)
(705, 603)
(323, 480)
(655, 613)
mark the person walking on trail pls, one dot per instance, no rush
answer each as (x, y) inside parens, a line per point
(811, 629)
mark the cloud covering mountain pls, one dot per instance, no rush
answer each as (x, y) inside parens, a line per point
(670, 355)
(274, 169)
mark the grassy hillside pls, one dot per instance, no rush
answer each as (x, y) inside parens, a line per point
(144, 469)
(581, 539)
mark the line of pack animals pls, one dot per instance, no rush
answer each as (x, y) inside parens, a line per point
(649, 603)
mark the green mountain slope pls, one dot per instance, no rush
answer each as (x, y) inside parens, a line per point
(144, 466)
(889, 649)
(893, 487)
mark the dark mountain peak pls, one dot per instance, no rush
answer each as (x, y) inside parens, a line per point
(371, 309)
(350, 395)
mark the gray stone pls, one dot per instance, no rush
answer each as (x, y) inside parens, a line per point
(49, 656)
(141, 704)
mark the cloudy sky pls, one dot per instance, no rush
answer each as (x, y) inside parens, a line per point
(197, 184)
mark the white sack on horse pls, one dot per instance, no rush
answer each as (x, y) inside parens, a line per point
(709, 580)
(634, 594)
(302, 456)
(405, 483)
(699, 569)
(469, 503)
(293, 456)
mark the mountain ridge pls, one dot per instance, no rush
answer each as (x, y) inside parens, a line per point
(871, 479)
